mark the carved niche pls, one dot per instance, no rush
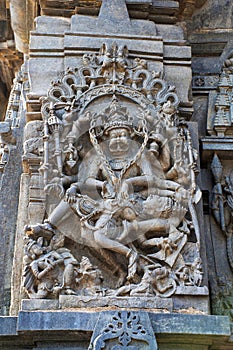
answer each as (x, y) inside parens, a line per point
(222, 203)
(119, 174)
(222, 209)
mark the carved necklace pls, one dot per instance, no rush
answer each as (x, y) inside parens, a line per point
(126, 165)
(118, 164)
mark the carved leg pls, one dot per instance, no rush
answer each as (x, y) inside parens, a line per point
(132, 268)
(58, 213)
(44, 230)
(110, 244)
(153, 225)
(118, 247)
(123, 290)
(116, 269)
(68, 278)
(127, 227)
(136, 229)
(47, 229)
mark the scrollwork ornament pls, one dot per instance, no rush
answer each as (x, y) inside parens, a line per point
(111, 67)
(125, 327)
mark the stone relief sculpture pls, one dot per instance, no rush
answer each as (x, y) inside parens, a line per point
(120, 164)
(4, 153)
(222, 203)
(8, 127)
(52, 269)
(4, 158)
(221, 123)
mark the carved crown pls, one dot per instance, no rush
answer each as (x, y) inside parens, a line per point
(116, 116)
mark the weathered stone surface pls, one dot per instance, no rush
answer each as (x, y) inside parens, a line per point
(63, 330)
(209, 16)
(55, 321)
(187, 290)
(8, 212)
(65, 302)
(8, 326)
(114, 12)
(4, 127)
(10, 59)
(21, 27)
(16, 290)
(37, 304)
(189, 324)
(181, 301)
(161, 323)
(192, 304)
(158, 11)
(69, 41)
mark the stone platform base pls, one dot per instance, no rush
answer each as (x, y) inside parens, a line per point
(182, 301)
(78, 329)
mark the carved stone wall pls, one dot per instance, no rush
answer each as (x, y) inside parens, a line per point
(121, 69)
(10, 58)
(212, 52)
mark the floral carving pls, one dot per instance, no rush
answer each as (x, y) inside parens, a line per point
(125, 327)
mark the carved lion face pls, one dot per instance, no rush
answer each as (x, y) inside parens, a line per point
(119, 140)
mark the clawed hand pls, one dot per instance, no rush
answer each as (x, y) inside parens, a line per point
(181, 193)
(107, 190)
(70, 196)
(124, 191)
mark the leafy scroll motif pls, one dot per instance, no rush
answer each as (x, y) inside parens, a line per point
(111, 66)
(125, 327)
